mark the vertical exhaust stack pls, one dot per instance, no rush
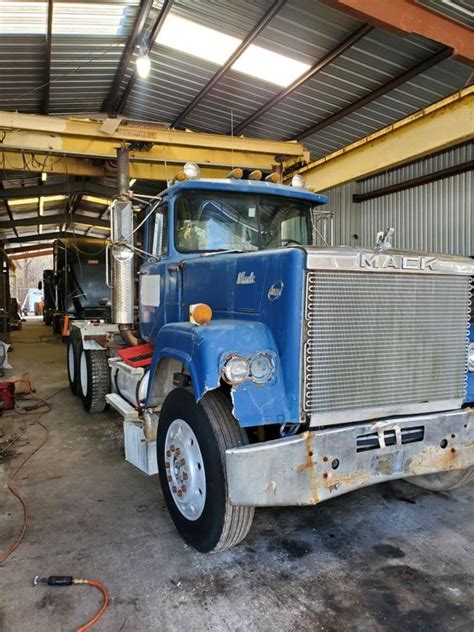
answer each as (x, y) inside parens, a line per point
(121, 225)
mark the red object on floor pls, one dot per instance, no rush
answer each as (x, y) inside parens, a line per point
(7, 395)
(141, 355)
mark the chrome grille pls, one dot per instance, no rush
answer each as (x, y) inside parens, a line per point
(381, 344)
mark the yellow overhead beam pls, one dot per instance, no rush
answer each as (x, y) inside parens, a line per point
(151, 149)
(71, 165)
(443, 124)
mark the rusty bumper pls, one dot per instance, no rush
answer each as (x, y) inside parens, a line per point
(317, 465)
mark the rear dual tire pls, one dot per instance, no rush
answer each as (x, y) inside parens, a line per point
(74, 347)
(93, 380)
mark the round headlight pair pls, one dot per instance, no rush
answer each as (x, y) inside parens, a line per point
(470, 357)
(259, 368)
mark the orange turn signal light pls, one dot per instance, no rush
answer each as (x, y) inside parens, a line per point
(180, 176)
(256, 174)
(236, 173)
(273, 177)
(200, 314)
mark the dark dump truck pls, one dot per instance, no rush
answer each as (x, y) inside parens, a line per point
(76, 288)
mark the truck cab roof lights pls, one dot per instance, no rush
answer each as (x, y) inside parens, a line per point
(256, 174)
(297, 181)
(191, 170)
(273, 177)
(235, 174)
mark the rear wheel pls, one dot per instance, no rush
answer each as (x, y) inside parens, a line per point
(94, 380)
(191, 444)
(443, 481)
(74, 347)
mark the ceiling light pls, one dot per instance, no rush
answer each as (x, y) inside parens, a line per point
(194, 39)
(269, 66)
(143, 63)
(215, 46)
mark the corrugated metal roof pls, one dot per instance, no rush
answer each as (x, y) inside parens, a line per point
(83, 68)
(82, 72)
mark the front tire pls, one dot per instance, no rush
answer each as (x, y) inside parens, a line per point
(443, 481)
(94, 380)
(191, 444)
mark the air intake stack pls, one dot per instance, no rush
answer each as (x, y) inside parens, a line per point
(121, 225)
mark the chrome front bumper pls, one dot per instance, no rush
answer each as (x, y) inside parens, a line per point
(318, 465)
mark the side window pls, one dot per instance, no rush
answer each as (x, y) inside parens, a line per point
(160, 234)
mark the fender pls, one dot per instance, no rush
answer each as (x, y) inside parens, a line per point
(203, 349)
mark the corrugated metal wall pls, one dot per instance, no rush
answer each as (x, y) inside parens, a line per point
(437, 217)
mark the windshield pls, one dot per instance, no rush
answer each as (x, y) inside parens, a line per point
(209, 221)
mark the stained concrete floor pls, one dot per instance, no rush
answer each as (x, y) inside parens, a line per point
(391, 557)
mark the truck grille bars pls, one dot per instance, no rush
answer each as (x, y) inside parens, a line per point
(381, 344)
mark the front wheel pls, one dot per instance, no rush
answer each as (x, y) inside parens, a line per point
(191, 444)
(443, 481)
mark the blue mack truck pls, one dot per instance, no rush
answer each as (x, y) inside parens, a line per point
(270, 372)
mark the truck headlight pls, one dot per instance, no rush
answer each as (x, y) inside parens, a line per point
(262, 368)
(236, 370)
(470, 357)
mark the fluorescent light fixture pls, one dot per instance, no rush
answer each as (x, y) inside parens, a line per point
(34, 200)
(132, 182)
(200, 41)
(143, 64)
(96, 200)
(69, 18)
(194, 39)
(269, 66)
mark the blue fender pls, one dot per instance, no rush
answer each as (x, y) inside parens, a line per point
(203, 350)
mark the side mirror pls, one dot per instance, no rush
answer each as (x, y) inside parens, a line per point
(40, 285)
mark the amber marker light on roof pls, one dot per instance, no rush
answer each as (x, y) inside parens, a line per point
(236, 173)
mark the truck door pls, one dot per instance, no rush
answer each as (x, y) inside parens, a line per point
(152, 276)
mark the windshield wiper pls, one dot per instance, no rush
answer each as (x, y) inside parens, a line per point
(220, 252)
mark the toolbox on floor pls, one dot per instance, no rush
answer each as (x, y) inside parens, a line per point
(138, 451)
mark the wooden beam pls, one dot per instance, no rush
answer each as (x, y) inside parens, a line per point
(21, 249)
(44, 237)
(406, 17)
(444, 124)
(31, 254)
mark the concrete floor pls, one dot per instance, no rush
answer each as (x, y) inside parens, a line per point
(391, 557)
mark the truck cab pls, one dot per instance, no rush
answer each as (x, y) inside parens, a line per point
(266, 371)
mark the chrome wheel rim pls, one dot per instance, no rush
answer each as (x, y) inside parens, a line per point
(184, 468)
(70, 362)
(83, 373)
